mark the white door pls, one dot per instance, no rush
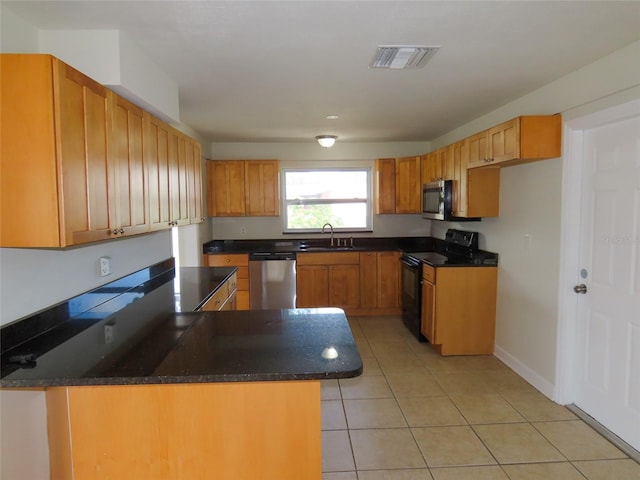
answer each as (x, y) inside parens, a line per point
(608, 314)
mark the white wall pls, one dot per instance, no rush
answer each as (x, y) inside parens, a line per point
(110, 58)
(16, 35)
(33, 279)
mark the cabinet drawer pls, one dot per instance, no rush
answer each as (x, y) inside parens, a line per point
(232, 282)
(429, 273)
(218, 299)
(229, 260)
(329, 258)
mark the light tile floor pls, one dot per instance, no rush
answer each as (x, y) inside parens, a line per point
(414, 415)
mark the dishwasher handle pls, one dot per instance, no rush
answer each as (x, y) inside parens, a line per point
(268, 256)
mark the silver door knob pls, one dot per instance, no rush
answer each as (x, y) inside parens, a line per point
(582, 288)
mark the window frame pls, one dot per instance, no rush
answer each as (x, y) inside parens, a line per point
(368, 203)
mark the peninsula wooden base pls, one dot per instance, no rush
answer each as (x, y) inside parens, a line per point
(226, 431)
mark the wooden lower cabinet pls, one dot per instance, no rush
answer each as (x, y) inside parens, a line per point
(312, 286)
(328, 280)
(380, 282)
(240, 260)
(361, 283)
(224, 298)
(344, 286)
(226, 431)
(459, 309)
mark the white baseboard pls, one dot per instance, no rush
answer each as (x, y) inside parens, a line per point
(544, 386)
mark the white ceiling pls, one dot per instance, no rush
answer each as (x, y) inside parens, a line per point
(273, 70)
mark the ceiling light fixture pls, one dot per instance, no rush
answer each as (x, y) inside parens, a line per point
(326, 141)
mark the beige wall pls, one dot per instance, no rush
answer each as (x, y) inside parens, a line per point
(530, 199)
(294, 155)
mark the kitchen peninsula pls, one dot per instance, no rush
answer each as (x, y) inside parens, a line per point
(140, 386)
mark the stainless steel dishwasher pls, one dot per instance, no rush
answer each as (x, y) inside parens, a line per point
(272, 280)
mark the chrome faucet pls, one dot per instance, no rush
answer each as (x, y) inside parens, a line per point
(331, 227)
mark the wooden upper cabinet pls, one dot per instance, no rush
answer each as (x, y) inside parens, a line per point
(398, 187)
(238, 188)
(436, 166)
(55, 182)
(476, 193)
(408, 185)
(262, 187)
(79, 163)
(519, 140)
(157, 151)
(88, 193)
(129, 168)
(194, 181)
(459, 190)
(385, 186)
(226, 189)
(179, 190)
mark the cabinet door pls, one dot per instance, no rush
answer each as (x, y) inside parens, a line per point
(88, 190)
(388, 279)
(157, 148)
(385, 191)
(179, 190)
(446, 163)
(428, 314)
(483, 192)
(194, 179)
(477, 149)
(408, 185)
(368, 280)
(132, 209)
(312, 286)
(262, 187)
(344, 286)
(425, 167)
(226, 189)
(30, 213)
(504, 141)
(459, 163)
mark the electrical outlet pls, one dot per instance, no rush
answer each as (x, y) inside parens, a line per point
(243, 231)
(105, 266)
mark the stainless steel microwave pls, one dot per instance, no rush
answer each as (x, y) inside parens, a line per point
(437, 199)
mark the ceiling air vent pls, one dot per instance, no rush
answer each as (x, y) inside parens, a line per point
(402, 56)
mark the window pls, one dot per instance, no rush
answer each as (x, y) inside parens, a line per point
(339, 196)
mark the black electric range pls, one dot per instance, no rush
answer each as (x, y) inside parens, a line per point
(458, 249)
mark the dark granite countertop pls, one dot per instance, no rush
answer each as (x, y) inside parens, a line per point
(141, 330)
(428, 250)
(360, 244)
